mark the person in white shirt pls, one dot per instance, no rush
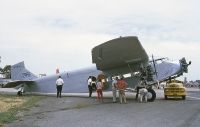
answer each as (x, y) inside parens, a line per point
(59, 84)
(114, 89)
(90, 85)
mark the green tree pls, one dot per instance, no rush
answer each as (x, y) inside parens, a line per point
(6, 71)
(1, 70)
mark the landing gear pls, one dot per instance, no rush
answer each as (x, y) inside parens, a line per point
(183, 97)
(151, 95)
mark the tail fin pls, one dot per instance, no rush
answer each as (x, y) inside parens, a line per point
(19, 72)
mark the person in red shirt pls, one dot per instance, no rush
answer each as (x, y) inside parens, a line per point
(121, 86)
(99, 90)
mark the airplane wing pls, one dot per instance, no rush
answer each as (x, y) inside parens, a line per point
(120, 56)
(17, 83)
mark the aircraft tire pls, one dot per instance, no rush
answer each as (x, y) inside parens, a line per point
(183, 97)
(153, 95)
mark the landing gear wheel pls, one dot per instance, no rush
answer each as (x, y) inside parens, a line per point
(166, 98)
(183, 97)
(151, 96)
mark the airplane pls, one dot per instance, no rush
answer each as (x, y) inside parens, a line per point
(123, 56)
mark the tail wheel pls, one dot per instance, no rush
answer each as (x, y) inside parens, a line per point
(183, 97)
(166, 97)
(151, 96)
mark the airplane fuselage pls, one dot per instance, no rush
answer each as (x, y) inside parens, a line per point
(74, 81)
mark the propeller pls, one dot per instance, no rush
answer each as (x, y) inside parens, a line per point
(154, 65)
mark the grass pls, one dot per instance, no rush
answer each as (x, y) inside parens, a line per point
(10, 106)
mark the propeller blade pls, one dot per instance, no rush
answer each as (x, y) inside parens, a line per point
(154, 65)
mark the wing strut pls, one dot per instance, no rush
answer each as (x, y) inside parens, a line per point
(130, 68)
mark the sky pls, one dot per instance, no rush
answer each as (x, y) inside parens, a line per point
(50, 34)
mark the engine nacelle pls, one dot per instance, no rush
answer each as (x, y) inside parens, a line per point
(184, 65)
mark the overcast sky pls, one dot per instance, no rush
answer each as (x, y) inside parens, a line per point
(50, 34)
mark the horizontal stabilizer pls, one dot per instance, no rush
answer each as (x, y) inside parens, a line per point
(17, 83)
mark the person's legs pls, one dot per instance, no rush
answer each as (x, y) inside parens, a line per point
(137, 93)
(90, 90)
(101, 95)
(138, 88)
(98, 95)
(18, 93)
(60, 91)
(94, 86)
(114, 95)
(145, 96)
(141, 97)
(120, 96)
(124, 96)
(141, 93)
(57, 91)
(60, 94)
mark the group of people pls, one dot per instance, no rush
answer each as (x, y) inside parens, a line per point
(92, 85)
(117, 84)
(120, 85)
(98, 86)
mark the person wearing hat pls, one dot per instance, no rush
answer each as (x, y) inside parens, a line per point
(59, 84)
